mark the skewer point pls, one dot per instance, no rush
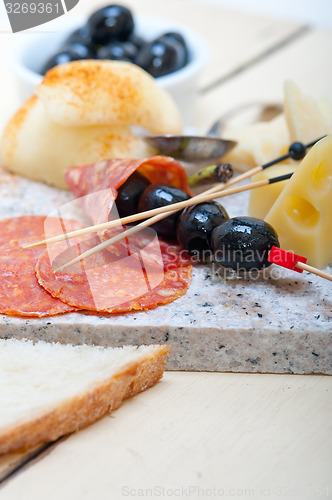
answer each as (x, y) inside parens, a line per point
(285, 259)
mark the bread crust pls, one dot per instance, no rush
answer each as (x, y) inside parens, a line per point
(84, 409)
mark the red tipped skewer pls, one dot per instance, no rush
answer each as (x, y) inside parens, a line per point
(294, 262)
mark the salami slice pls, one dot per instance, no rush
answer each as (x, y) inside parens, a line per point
(97, 186)
(155, 251)
(174, 255)
(106, 176)
(108, 283)
(20, 292)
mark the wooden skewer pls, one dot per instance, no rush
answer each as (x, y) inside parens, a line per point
(294, 262)
(144, 215)
(115, 239)
(162, 212)
(314, 270)
(149, 213)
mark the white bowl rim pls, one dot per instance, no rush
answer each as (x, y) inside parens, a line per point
(196, 42)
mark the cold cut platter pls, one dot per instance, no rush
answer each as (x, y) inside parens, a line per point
(152, 286)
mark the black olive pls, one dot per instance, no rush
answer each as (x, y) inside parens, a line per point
(118, 51)
(109, 34)
(75, 52)
(175, 35)
(114, 22)
(196, 224)
(81, 35)
(161, 195)
(161, 57)
(84, 51)
(243, 243)
(129, 194)
(137, 40)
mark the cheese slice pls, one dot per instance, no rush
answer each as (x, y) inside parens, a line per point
(258, 143)
(35, 147)
(305, 119)
(262, 199)
(302, 214)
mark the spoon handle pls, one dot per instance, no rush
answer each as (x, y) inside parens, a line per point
(217, 126)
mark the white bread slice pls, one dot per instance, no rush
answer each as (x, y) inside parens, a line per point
(90, 93)
(49, 390)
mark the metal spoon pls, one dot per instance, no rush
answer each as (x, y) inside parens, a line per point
(191, 148)
(209, 148)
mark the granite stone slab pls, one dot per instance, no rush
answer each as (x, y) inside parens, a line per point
(275, 322)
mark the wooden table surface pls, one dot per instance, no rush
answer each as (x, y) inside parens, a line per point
(197, 435)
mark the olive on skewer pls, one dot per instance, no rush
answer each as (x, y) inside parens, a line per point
(243, 246)
(243, 243)
(129, 194)
(196, 224)
(240, 243)
(162, 195)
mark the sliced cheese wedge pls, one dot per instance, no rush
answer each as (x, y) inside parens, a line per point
(96, 93)
(262, 199)
(305, 119)
(35, 147)
(258, 143)
(302, 214)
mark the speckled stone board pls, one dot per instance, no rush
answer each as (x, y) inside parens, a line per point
(277, 322)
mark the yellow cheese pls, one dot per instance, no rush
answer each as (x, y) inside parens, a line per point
(302, 214)
(325, 107)
(262, 199)
(305, 120)
(37, 148)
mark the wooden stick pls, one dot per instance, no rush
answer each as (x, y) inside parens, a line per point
(115, 239)
(162, 212)
(144, 215)
(314, 270)
(141, 215)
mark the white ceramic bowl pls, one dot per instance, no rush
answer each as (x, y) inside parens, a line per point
(28, 53)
